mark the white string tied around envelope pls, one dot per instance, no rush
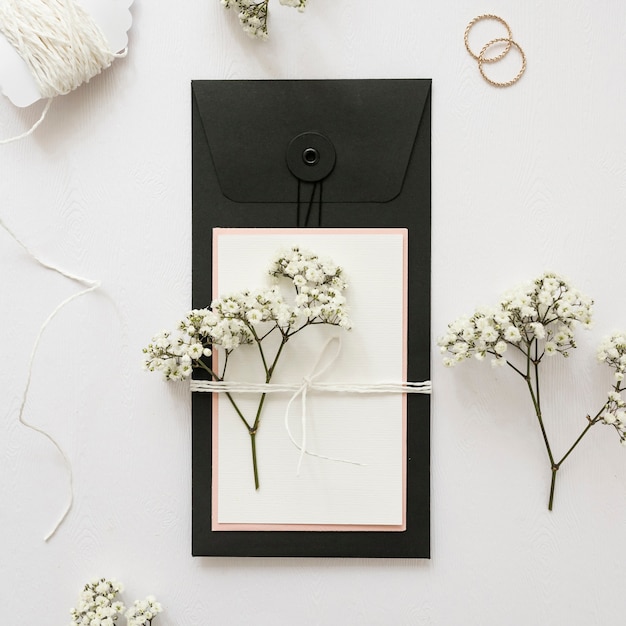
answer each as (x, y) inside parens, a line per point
(59, 41)
(90, 285)
(310, 383)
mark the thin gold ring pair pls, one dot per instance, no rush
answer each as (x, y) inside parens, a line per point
(481, 56)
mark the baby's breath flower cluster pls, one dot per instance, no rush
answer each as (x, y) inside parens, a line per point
(232, 318)
(612, 351)
(253, 14)
(143, 612)
(534, 321)
(317, 286)
(97, 605)
(236, 319)
(548, 309)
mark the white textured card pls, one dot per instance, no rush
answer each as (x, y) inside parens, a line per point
(368, 429)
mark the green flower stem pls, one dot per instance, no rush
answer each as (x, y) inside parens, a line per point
(585, 431)
(285, 339)
(535, 396)
(254, 463)
(532, 372)
(555, 469)
(540, 413)
(258, 343)
(269, 371)
(206, 368)
(556, 466)
(228, 395)
(536, 400)
(237, 410)
(537, 406)
(252, 430)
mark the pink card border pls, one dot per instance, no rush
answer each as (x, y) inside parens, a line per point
(221, 526)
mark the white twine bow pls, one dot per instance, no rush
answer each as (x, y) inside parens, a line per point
(309, 383)
(91, 285)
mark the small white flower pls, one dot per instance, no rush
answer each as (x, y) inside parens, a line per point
(460, 347)
(609, 418)
(143, 611)
(538, 329)
(230, 306)
(468, 334)
(489, 334)
(545, 297)
(195, 350)
(512, 334)
(483, 322)
(254, 316)
(614, 396)
(502, 317)
(551, 348)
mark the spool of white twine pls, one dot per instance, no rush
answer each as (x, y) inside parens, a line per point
(59, 41)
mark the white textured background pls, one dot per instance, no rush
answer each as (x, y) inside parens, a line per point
(524, 179)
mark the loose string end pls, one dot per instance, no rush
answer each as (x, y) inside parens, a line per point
(32, 129)
(91, 285)
(68, 507)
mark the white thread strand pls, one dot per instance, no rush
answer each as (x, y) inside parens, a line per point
(92, 285)
(32, 129)
(303, 391)
(308, 384)
(60, 43)
(209, 386)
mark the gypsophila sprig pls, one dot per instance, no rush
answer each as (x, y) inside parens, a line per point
(538, 320)
(97, 604)
(546, 310)
(262, 318)
(612, 351)
(253, 15)
(319, 287)
(143, 612)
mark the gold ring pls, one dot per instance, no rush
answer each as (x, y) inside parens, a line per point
(482, 60)
(488, 17)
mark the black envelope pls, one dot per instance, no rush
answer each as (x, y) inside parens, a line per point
(316, 153)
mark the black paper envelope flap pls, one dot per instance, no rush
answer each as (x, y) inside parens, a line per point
(371, 124)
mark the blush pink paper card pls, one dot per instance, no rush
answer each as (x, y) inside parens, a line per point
(368, 430)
